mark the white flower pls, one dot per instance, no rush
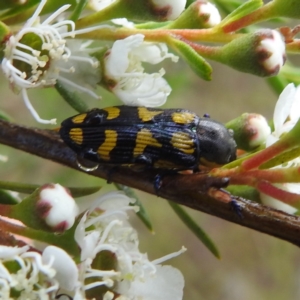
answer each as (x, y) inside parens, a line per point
(210, 12)
(33, 278)
(105, 238)
(27, 67)
(58, 207)
(135, 277)
(272, 51)
(173, 8)
(286, 115)
(125, 75)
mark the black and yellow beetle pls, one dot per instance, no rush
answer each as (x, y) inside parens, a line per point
(172, 139)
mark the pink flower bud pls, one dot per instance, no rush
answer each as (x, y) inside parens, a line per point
(169, 8)
(250, 130)
(208, 12)
(257, 129)
(260, 53)
(200, 14)
(57, 207)
(271, 50)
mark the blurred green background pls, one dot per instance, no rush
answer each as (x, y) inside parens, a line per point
(253, 265)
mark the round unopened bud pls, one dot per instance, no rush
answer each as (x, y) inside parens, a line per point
(250, 130)
(200, 14)
(138, 10)
(170, 9)
(271, 49)
(57, 207)
(208, 13)
(260, 53)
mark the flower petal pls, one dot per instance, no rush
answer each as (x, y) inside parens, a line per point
(153, 53)
(117, 61)
(283, 106)
(166, 284)
(295, 109)
(66, 269)
(270, 201)
(151, 92)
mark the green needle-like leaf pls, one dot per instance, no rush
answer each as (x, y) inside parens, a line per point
(241, 11)
(197, 63)
(4, 116)
(71, 98)
(78, 9)
(281, 158)
(196, 229)
(18, 9)
(7, 198)
(278, 83)
(83, 191)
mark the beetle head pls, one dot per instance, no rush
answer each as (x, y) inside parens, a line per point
(216, 142)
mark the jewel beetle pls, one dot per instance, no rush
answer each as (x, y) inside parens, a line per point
(171, 139)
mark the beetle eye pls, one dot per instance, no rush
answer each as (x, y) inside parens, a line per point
(231, 132)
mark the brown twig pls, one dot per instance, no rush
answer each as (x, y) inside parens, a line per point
(194, 191)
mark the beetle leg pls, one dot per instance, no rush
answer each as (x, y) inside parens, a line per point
(110, 173)
(157, 183)
(236, 208)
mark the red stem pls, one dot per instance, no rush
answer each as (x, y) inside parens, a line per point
(12, 228)
(5, 210)
(264, 156)
(277, 193)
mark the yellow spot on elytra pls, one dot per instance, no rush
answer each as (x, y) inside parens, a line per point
(78, 119)
(76, 135)
(183, 142)
(147, 115)
(113, 112)
(109, 144)
(144, 138)
(183, 117)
